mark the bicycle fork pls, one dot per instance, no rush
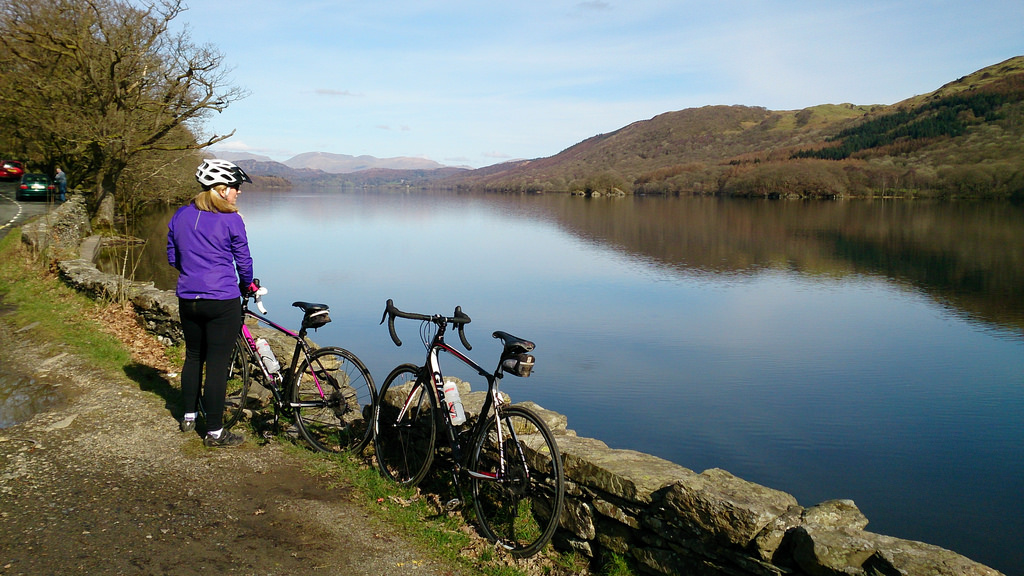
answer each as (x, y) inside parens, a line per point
(437, 380)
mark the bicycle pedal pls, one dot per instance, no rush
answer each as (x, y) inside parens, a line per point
(453, 505)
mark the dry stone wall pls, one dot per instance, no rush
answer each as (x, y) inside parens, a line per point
(665, 518)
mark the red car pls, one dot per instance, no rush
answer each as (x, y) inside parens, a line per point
(11, 170)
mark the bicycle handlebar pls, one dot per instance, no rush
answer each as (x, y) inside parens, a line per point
(257, 296)
(459, 320)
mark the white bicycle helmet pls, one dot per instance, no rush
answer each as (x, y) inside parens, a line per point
(213, 172)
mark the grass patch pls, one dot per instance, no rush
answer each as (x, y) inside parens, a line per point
(416, 515)
(617, 566)
(60, 317)
(409, 510)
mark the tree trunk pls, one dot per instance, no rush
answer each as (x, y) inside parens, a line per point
(105, 213)
(105, 193)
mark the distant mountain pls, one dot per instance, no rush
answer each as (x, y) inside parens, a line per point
(964, 139)
(335, 163)
(344, 164)
(270, 174)
(324, 169)
(277, 170)
(236, 156)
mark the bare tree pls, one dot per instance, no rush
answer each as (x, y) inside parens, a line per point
(94, 84)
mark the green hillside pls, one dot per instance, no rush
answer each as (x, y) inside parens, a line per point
(966, 139)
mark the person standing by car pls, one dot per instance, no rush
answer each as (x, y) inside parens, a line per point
(61, 180)
(207, 244)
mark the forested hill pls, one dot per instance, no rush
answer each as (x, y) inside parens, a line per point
(966, 139)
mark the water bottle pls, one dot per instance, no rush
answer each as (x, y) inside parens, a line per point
(269, 360)
(455, 409)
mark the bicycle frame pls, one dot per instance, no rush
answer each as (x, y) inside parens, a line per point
(327, 390)
(437, 345)
(279, 384)
(278, 379)
(493, 398)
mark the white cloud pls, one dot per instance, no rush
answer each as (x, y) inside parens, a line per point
(329, 92)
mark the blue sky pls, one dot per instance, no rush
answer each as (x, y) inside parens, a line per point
(475, 83)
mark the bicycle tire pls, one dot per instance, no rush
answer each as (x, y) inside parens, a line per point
(405, 449)
(332, 400)
(240, 374)
(521, 510)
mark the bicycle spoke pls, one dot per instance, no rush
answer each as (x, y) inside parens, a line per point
(517, 508)
(239, 383)
(333, 401)
(404, 447)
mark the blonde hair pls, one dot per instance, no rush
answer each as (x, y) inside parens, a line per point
(211, 200)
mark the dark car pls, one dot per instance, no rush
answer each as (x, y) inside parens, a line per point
(11, 170)
(36, 186)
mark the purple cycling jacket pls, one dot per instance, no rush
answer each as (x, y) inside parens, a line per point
(211, 251)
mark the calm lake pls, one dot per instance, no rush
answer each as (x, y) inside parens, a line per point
(870, 350)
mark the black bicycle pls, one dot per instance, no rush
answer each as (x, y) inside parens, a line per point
(514, 466)
(327, 391)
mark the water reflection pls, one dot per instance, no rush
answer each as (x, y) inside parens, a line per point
(968, 256)
(22, 397)
(145, 262)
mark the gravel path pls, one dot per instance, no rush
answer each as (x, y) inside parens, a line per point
(104, 483)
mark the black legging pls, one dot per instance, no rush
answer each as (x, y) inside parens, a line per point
(211, 328)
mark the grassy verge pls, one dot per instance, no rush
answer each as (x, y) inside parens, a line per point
(58, 314)
(62, 317)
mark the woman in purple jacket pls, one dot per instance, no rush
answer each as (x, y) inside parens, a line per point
(206, 242)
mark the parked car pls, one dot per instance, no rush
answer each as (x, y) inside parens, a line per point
(11, 170)
(36, 186)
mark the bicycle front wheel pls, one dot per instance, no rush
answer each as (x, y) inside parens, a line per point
(240, 373)
(333, 399)
(517, 481)
(404, 440)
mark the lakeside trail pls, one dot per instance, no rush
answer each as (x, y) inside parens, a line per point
(104, 483)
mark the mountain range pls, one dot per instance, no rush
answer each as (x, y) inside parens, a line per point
(965, 139)
(326, 169)
(336, 163)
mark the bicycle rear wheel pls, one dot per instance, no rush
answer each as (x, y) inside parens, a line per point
(333, 400)
(519, 507)
(404, 446)
(240, 373)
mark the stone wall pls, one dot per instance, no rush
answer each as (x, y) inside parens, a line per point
(666, 518)
(671, 520)
(64, 236)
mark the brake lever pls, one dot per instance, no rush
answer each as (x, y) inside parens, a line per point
(258, 298)
(389, 314)
(462, 325)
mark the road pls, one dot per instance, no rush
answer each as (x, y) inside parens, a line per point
(14, 213)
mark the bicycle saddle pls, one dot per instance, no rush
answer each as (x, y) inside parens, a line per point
(513, 344)
(308, 307)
